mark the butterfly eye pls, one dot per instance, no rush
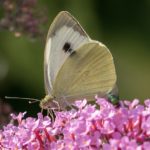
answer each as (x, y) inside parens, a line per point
(67, 47)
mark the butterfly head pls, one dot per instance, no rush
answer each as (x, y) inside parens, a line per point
(48, 102)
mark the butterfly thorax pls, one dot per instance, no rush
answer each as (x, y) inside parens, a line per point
(48, 102)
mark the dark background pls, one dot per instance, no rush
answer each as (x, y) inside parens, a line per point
(123, 26)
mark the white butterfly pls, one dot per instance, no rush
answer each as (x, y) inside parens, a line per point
(75, 66)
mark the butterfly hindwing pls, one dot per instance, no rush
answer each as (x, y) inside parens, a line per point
(88, 72)
(64, 37)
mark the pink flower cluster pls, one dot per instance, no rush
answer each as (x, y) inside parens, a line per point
(90, 127)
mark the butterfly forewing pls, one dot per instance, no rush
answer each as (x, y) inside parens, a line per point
(65, 36)
(88, 72)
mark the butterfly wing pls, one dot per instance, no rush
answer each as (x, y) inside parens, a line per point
(88, 72)
(64, 37)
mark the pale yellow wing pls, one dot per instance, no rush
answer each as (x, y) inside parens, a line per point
(89, 71)
(64, 37)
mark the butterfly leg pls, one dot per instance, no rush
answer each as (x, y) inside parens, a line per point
(57, 106)
(50, 113)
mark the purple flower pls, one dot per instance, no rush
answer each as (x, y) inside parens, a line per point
(89, 127)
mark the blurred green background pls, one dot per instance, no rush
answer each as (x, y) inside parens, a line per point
(123, 26)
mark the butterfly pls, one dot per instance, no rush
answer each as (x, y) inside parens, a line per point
(75, 66)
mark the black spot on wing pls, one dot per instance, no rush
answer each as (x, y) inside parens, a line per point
(67, 47)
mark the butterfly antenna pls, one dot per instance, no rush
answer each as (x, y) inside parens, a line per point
(30, 100)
